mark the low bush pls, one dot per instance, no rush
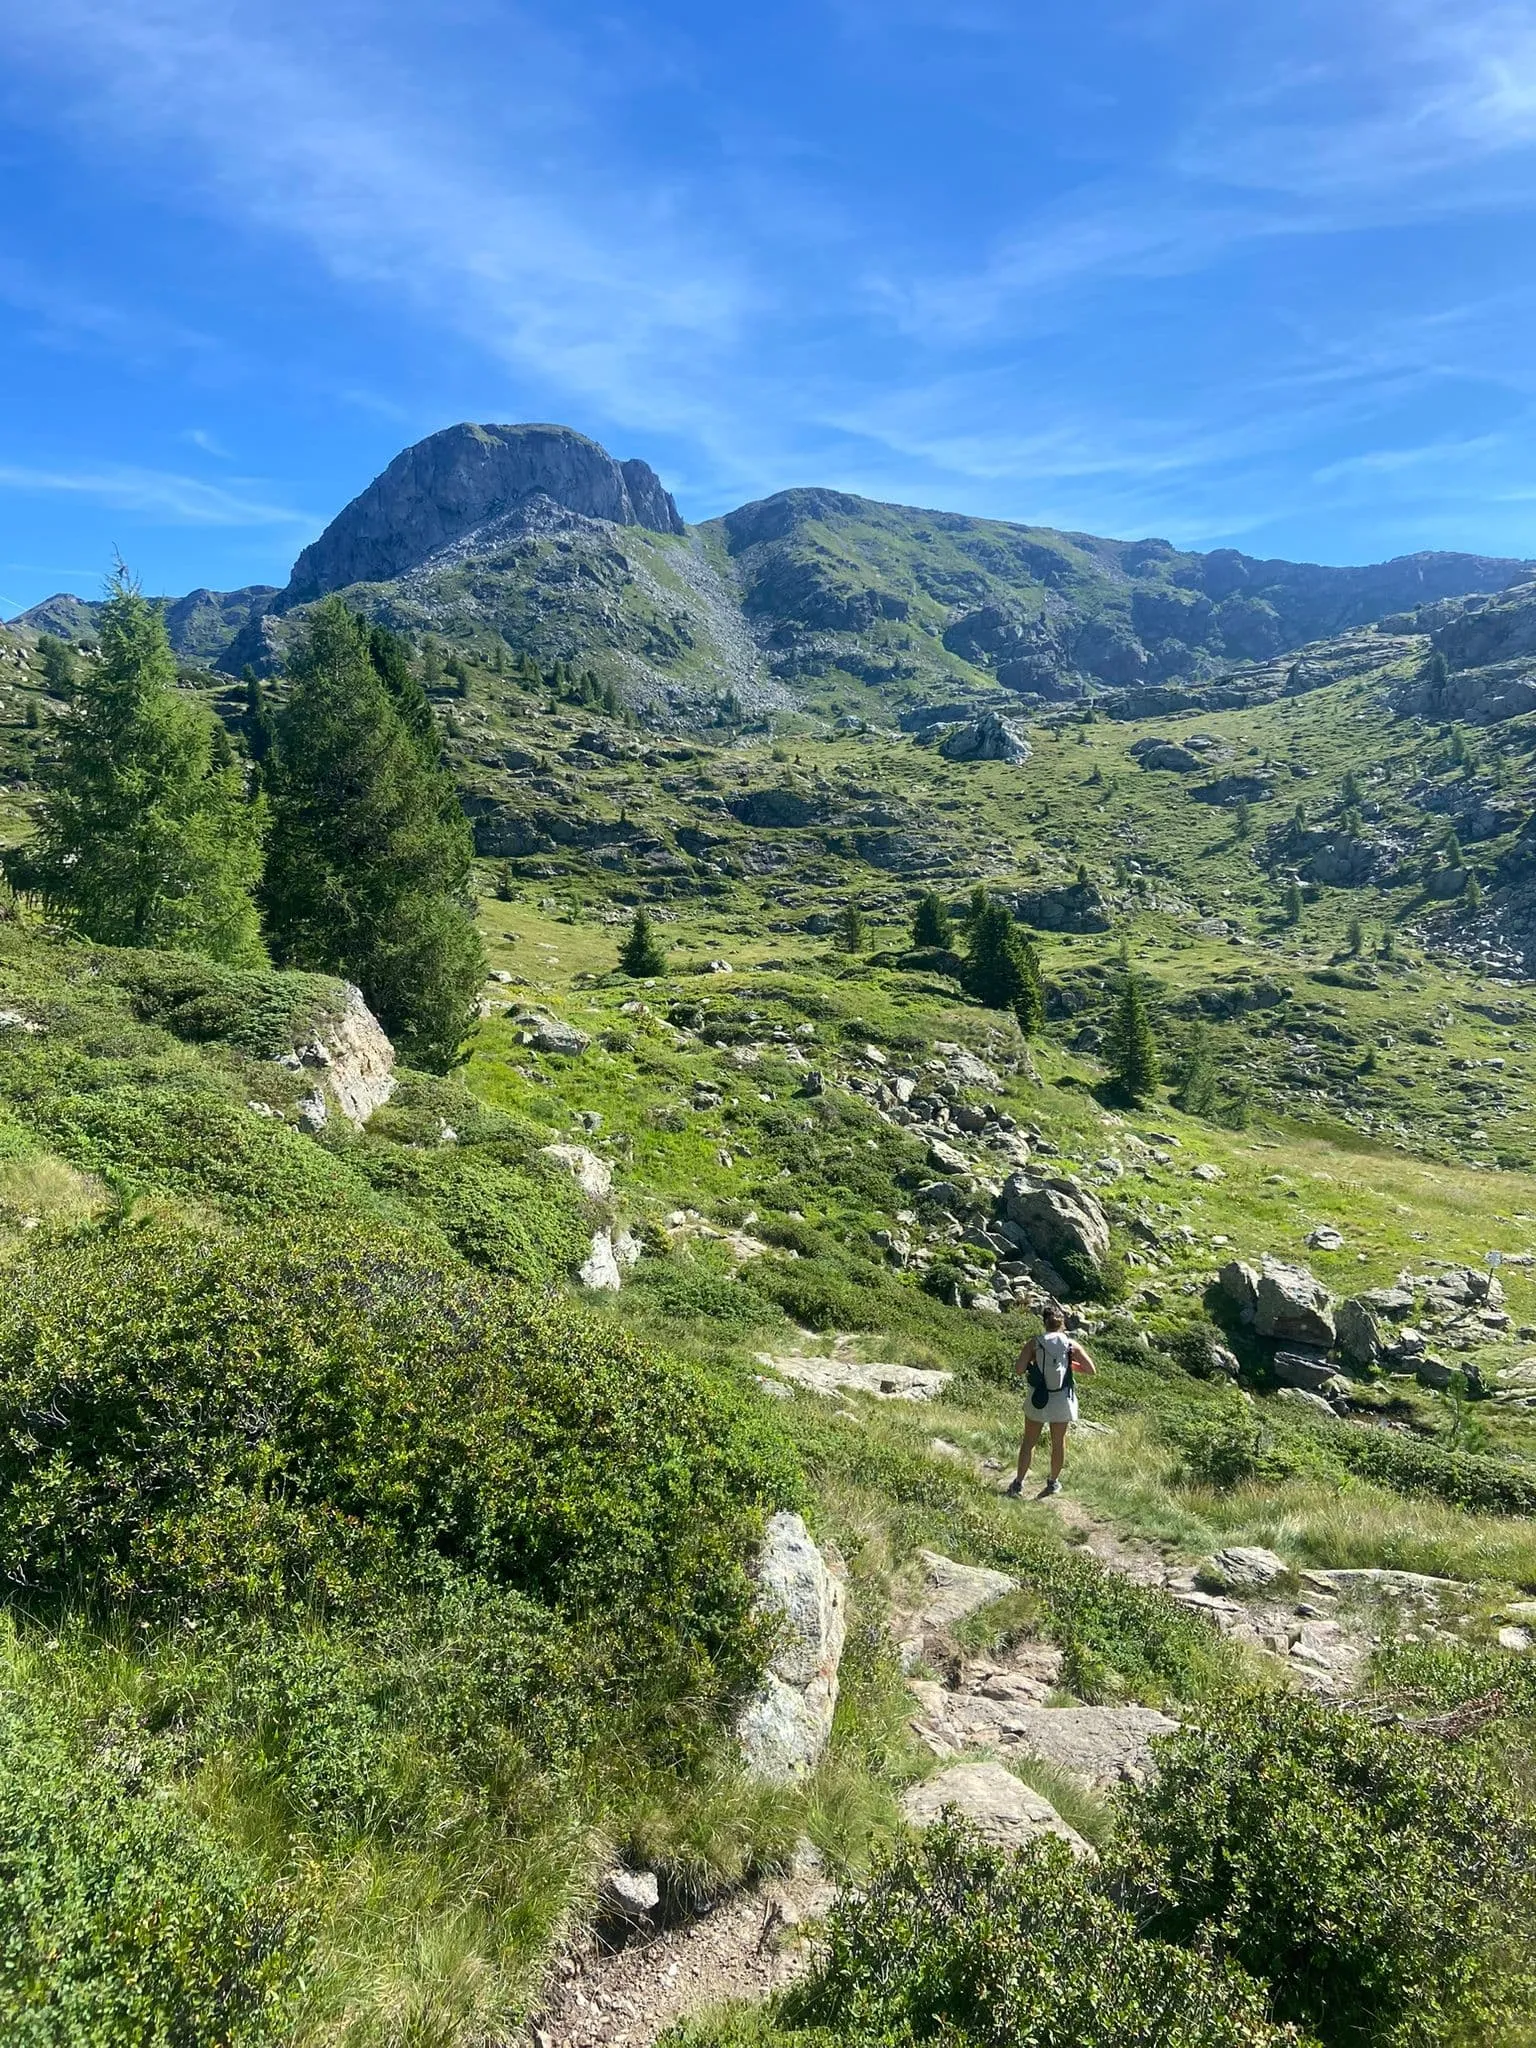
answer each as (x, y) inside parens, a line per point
(260, 1011)
(1379, 1881)
(695, 1293)
(123, 1917)
(227, 1424)
(527, 1222)
(953, 1942)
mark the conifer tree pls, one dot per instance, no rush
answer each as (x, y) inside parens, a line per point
(850, 931)
(1354, 936)
(1293, 901)
(930, 922)
(1196, 1092)
(146, 836)
(643, 954)
(1029, 1002)
(57, 661)
(258, 716)
(369, 867)
(1437, 678)
(392, 664)
(1129, 1045)
(1000, 968)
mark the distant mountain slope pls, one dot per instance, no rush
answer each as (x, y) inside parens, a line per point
(535, 536)
(201, 625)
(1048, 613)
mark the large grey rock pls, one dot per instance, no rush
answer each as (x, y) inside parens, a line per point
(1106, 1745)
(1240, 1284)
(1062, 1222)
(1310, 1371)
(1293, 1305)
(994, 1802)
(601, 1270)
(784, 1728)
(592, 1175)
(353, 1061)
(1243, 1568)
(1359, 1333)
(442, 488)
(552, 1034)
(952, 1591)
(858, 1376)
(990, 738)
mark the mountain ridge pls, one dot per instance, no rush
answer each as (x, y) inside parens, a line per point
(534, 535)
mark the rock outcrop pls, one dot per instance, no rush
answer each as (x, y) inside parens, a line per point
(1280, 1301)
(996, 1804)
(988, 738)
(352, 1061)
(1059, 1222)
(454, 481)
(784, 1728)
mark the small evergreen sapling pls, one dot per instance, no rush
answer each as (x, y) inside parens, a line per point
(57, 662)
(643, 954)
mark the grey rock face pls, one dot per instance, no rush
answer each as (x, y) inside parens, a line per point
(1240, 1284)
(592, 1175)
(354, 1063)
(1243, 1568)
(1060, 1219)
(783, 1730)
(1359, 1333)
(552, 1034)
(1108, 1746)
(1311, 1372)
(990, 738)
(1293, 1306)
(454, 481)
(996, 1804)
(952, 1591)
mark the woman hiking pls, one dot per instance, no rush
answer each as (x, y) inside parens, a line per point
(1049, 1363)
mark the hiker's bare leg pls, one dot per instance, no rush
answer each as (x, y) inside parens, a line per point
(1027, 1448)
(1058, 1448)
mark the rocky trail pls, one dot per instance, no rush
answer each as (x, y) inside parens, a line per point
(979, 1714)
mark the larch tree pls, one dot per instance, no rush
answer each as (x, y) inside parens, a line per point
(146, 833)
(369, 867)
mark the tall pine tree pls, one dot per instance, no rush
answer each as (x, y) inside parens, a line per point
(146, 836)
(369, 866)
(930, 922)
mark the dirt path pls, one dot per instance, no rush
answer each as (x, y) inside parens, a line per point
(748, 1946)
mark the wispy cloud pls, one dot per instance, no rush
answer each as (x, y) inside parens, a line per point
(208, 444)
(617, 294)
(182, 500)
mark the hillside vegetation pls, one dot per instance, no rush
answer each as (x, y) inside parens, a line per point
(386, 1453)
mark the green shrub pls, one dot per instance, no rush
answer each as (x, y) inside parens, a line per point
(1381, 1882)
(1235, 1448)
(953, 1942)
(260, 1011)
(207, 1425)
(1466, 1479)
(815, 1295)
(694, 1293)
(531, 1225)
(123, 1918)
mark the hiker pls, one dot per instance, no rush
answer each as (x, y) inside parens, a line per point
(1049, 1363)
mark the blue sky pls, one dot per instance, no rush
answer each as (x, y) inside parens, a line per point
(1257, 274)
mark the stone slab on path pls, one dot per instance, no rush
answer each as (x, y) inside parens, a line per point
(993, 1800)
(856, 1376)
(1106, 1746)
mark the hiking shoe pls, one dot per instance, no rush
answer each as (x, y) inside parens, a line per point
(1014, 1488)
(1050, 1489)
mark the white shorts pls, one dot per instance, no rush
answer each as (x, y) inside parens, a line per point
(1059, 1407)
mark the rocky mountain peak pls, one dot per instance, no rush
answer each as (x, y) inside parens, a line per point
(442, 488)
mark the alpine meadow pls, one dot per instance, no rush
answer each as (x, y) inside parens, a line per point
(767, 1208)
